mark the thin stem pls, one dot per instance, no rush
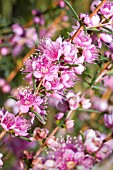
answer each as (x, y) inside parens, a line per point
(19, 66)
(108, 138)
(2, 134)
(42, 148)
(91, 15)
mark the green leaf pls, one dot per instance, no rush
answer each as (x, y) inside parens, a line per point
(110, 73)
(12, 97)
(82, 135)
(98, 87)
(34, 83)
(85, 30)
(88, 110)
(72, 65)
(72, 10)
(107, 29)
(93, 80)
(24, 138)
(38, 116)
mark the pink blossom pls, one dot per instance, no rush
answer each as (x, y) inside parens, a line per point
(82, 40)
(107, 9)
(95, 4)
(69, 124)
(86, 104)
(4, 51)
(27, 100)
(70, 52)
(21, 126)
(52, 50)
(8, 121)
(93, 140)
(59, 116)
(73, 100)
(108, 120)
(17, 29)
(43, 68)
(103, 152)
(106, 38)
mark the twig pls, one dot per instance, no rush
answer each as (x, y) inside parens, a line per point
(18, 67)
(108, 138)
(42, 148)
(91, 15)
(2, 134)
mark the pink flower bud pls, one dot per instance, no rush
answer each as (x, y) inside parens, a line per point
(40, 134)
(59, 116)
(69, 124)
(4, 51)
(6, 88)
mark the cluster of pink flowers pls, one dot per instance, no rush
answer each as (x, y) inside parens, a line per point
(75, 152)
(57, 64)
(16, 125)
(51, 72)
(28, 101)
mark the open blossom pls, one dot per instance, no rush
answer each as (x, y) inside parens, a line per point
(21, 126)
(107, 9)
(75, 100)
(87, 49)
(93, 140)
(52, 50)
(18, 124)
(7, 120)
(27, 100)
(103, 152)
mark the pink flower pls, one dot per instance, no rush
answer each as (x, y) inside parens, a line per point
(95, 4)
(27, 100)
(108, 120)
(69, 124)
(82, 40)
(40, 134)
(107, 9)
(73, 100)
(8, 121)
(43, 68)
(86, 104)
(93, 140)
(17, 29)
(70, 52)
(106, 38)
(21, 126)
(103, 152)
(52, 50)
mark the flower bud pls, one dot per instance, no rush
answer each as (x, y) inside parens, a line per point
(69, 124)
(40, 134)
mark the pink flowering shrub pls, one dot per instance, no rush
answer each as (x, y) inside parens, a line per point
(72, 77)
